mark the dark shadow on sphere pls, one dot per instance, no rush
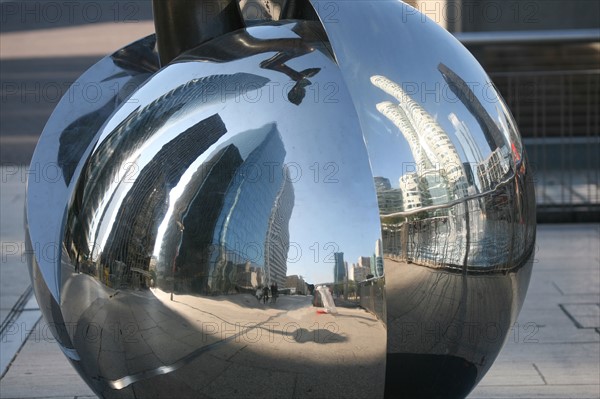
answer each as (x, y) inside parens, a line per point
(452, 377)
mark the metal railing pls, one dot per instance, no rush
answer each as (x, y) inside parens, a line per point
(371, 296)
(551, 83)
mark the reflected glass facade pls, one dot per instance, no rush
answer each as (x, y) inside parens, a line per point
(257, 206)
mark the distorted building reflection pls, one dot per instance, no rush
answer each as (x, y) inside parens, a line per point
(88, 233)
(78, 135)
(126, 254)
(339, 273)
(439, 214)
(437, 163)
(241, 241)
(492, 170)
(117, 161)
(226, 231)
(493, 135)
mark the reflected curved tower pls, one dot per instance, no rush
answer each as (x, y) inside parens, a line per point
(210, 209)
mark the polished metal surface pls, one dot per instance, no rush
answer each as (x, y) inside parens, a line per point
(220, 176)
(455, 194)
(65, 141)
(339, 208)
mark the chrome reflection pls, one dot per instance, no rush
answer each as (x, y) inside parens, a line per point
(298, 208)
(66, 139)
(455, 195)
(442, 184)
(209, 229)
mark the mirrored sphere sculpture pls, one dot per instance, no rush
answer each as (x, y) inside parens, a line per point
(333, 204)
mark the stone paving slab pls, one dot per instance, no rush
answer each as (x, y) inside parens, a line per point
(549, 354)
(537, 392)
(14, 276)
(41, 370)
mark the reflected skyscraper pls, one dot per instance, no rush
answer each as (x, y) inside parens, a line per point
(253, 224)
(229, 231)
(440, 175)
(191, 226)
(461, 89)
(420, 149)
(382, 183)
(277, 241)
(470, 149)
(90, 236)
(339, 269)
(388, 198)
(494, 168)
(421, 128)
(365, 263)
(132, 236)
(119, 152)
(411, 191)
(465, 138)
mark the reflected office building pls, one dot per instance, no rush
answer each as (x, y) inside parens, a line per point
(439, 177)
(226, 232)
(127, 253)
(492, 170)
(340, 274)
(129, 234)
(241, 241)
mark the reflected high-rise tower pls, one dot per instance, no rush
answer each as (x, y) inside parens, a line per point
(382, 183)
(424, 156)
(422, 131)
(192, 223)
(461, 89)
(339, 271)
(119, 153)
(131, 237)
(466, 140)
(493, 169)
(252, 227)
(439, 176)
(128, 237)
(277, 241)
(470, 149)
(229, 230)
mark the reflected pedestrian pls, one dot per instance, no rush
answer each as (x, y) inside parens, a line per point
(265, 294)
(274, 292)
(258, 294)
